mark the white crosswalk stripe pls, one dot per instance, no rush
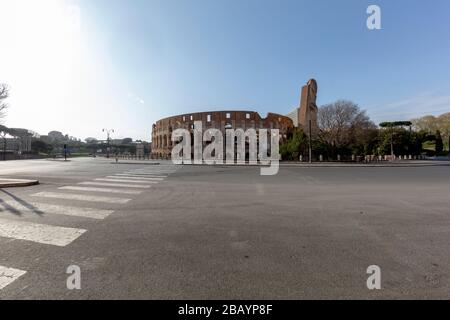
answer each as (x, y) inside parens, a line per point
(129, 182)
(45, 208)
(9, 275)
(119, 185)
(140, 175)
(41, 233)
(81, 197)
(119, 179)
(137, 177)
(151, 172)
(104, 190)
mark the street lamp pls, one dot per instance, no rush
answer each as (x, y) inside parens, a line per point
(108, 134)
(310, 141)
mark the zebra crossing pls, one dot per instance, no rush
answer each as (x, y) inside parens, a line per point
(9, 275)
(104, 191)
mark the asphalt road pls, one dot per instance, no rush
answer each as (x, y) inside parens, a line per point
(170, 232)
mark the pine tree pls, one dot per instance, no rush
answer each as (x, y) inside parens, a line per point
(439, 142)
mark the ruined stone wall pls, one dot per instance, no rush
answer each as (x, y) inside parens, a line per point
(222, 120)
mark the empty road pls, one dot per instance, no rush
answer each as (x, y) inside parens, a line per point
(160, 231)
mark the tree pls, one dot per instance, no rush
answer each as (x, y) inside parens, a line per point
(392, 126)
(427, 123)
(342, 124)
(91, 140)
(444, 127)
(40, 146)
(4, 94)
(127, 141)
(439, 143)
(431, 124)
(399, 141)
(295, 146)
(396, 124)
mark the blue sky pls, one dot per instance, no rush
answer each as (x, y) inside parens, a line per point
(141, 60)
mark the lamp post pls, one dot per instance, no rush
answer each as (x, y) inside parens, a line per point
(310, 141)
(108, 134)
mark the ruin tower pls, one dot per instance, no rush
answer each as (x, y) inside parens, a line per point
(307, 113)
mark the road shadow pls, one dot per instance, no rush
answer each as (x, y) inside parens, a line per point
(15, 211)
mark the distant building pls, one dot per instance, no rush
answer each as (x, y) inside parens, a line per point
(17, 144)
(19, 140)
(140, 150)
(306, 113)
(302, 117)
(222, 120)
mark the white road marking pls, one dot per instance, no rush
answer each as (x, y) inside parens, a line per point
(119, 179)
(134, 178)
(9, 275)
(101, 184)
(44, 208)
(104, 190)
(141, 175)
(80, 197)
(150, 172)
(144, 172)
(41, 233)
(138, 177)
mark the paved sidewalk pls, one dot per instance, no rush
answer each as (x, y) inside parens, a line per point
(12, 183)
(402, 163)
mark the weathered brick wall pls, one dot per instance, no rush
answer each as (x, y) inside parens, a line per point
(162, 130)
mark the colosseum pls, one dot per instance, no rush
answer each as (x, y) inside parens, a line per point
(223, 120)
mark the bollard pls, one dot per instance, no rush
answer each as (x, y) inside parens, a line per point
(353, 158)
(321, 158)
(339, 158)
(301, 158)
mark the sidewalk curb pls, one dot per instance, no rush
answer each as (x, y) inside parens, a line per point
(16, 183)
(398, 164)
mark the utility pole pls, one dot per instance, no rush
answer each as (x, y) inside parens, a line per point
(310, 141)
(108, 134)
